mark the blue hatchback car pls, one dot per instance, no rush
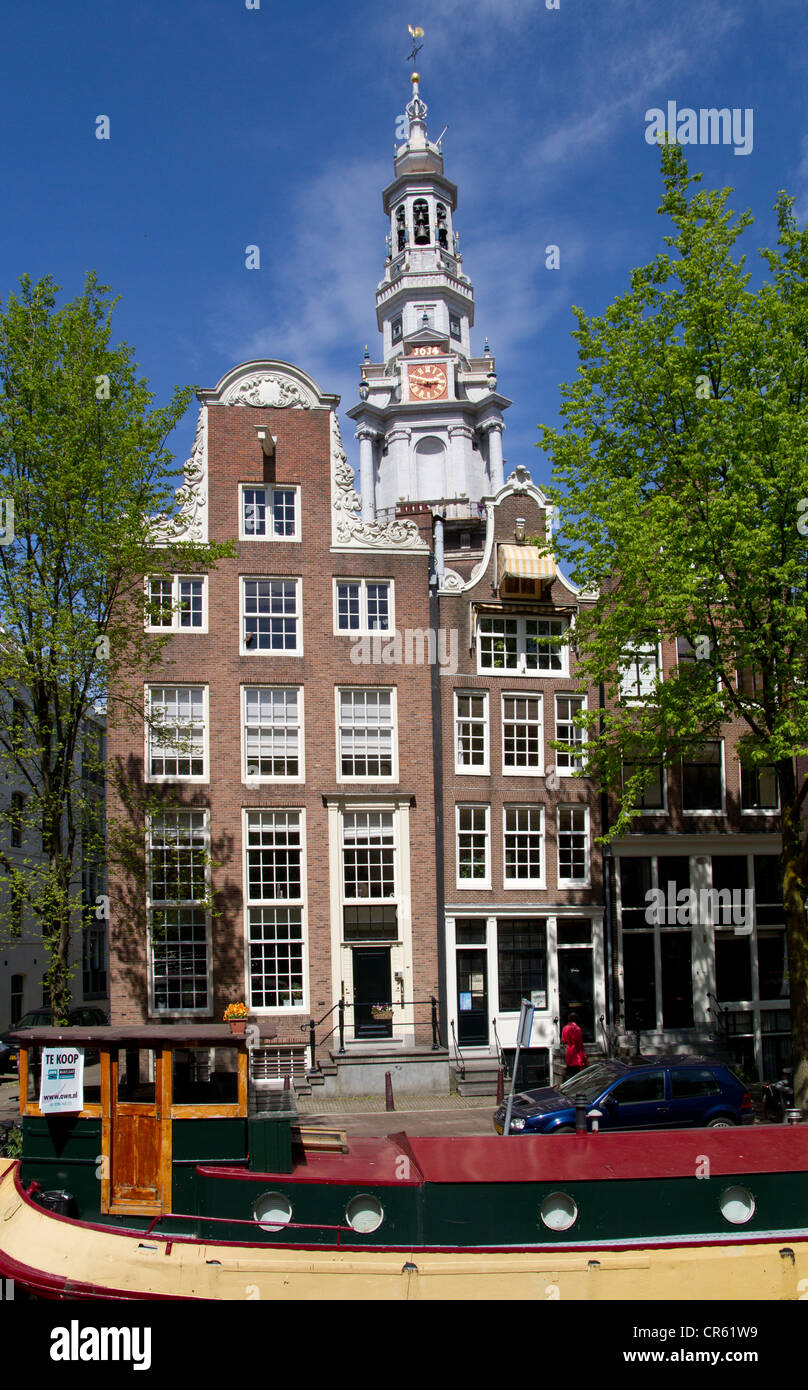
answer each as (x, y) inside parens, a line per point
(637, 1093)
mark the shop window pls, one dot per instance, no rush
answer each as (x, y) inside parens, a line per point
(733, 967)
(772, 965)
(522, 961)
(635, 886)
(768, 890)
(639, 978)
(677, 980)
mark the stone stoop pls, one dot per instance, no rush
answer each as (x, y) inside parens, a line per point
(701, 1047)
(594, 1051)
(361, 1072)
(477, 1077)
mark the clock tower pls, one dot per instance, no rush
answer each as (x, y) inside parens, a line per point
(429, 421)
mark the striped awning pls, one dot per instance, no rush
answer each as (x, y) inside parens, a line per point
(525, 562)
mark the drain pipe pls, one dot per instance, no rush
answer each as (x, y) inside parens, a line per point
(606, 860)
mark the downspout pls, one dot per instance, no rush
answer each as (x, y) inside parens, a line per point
(607, 860)
(437, 765)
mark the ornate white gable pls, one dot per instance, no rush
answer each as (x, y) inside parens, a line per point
(191, 520)
(348, 530)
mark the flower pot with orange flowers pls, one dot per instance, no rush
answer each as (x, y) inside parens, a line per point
(236, 1015)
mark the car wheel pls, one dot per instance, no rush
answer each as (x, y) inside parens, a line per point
(564, 1129)
(721, 1123)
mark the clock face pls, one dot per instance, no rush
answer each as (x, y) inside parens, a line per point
(428, 381)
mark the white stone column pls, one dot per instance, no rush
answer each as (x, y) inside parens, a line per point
(367, 489)
(496, 465)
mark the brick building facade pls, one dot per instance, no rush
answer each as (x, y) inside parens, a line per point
(286, 776)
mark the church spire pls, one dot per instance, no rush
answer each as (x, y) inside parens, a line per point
(429, 420)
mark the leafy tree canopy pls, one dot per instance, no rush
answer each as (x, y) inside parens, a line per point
(681, 479)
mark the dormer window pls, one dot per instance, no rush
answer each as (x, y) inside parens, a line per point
(420, 222)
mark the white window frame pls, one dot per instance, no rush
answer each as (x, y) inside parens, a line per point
(521, 668)
(270, 652)
(269, 488)
(176, 612)
(372, 810)
(637, 679)
(390, 690)
(584, 882)
(580, 742)
(508, 769)
(711, 811)
(472, 769)
(170, 779)
(473, 883)
(364, 630)
(257, 779)
(532, 807)
(157, 906)
(272, 904)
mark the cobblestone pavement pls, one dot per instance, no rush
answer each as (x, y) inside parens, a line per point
(367, 1105)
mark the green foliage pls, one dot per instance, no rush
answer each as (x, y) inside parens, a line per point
(681, 508)
(83, 457)
(681, 475)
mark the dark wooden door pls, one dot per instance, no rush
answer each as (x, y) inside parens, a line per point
(472, 997)
(371, 985)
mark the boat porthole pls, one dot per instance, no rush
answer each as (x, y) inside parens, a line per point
(737, 1205)
(558, 1212)
(364, 1214)
(272, 1211)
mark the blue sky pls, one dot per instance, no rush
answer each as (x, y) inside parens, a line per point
(275, 126)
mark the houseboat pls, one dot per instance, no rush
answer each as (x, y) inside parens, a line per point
(175, 1177)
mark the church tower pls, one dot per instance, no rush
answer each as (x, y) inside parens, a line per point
(429, 421)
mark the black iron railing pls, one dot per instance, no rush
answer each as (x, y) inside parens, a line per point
(341, 1008)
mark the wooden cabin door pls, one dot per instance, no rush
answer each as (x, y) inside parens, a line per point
(139, 1138)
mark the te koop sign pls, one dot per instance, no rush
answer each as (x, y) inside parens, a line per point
(62, 1085)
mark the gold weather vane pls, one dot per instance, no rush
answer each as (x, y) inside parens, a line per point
(417, 33)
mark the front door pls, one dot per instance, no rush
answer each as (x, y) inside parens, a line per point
(137, 1144)
(472, 997)
(575, 988)
(371, 985)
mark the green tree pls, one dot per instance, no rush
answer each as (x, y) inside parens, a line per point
(84, 470)
(681, 475)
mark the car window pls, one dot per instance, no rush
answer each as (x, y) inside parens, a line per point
(691, 1081)
(588, 1084)
(649, 1086)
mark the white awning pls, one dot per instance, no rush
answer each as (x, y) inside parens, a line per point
(525, 562)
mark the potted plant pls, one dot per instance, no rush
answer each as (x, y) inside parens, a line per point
(381, 1013)
(236, 1015)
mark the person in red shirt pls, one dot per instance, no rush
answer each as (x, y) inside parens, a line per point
(573, 1039)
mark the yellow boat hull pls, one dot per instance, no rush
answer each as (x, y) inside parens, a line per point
(59, 1258)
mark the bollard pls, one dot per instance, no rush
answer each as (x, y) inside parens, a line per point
(580, 1115)
(500, 1086)
(388, 1092)
(793, 1117)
